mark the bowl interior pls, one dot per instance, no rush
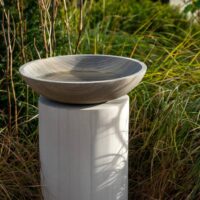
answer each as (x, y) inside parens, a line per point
(79, 68)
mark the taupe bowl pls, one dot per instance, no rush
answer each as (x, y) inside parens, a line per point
(83, 79)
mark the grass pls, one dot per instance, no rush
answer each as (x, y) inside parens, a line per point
(164, 143)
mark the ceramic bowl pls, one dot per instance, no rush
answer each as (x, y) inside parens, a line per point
(83, 79)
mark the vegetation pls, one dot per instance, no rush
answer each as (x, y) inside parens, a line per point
(192, 6)
(164, 156)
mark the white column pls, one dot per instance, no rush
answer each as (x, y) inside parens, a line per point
(83, 150)
(179, 3)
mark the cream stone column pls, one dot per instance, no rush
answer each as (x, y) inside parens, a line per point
(84, 150)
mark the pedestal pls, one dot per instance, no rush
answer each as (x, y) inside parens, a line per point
(83, 150)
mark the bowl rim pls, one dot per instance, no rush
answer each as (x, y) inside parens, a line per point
(141, 71)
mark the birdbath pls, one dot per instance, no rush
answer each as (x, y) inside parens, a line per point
(83, 124)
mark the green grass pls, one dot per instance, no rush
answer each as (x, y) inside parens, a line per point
(164, 152)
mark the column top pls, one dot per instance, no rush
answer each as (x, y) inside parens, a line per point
(107, 105)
